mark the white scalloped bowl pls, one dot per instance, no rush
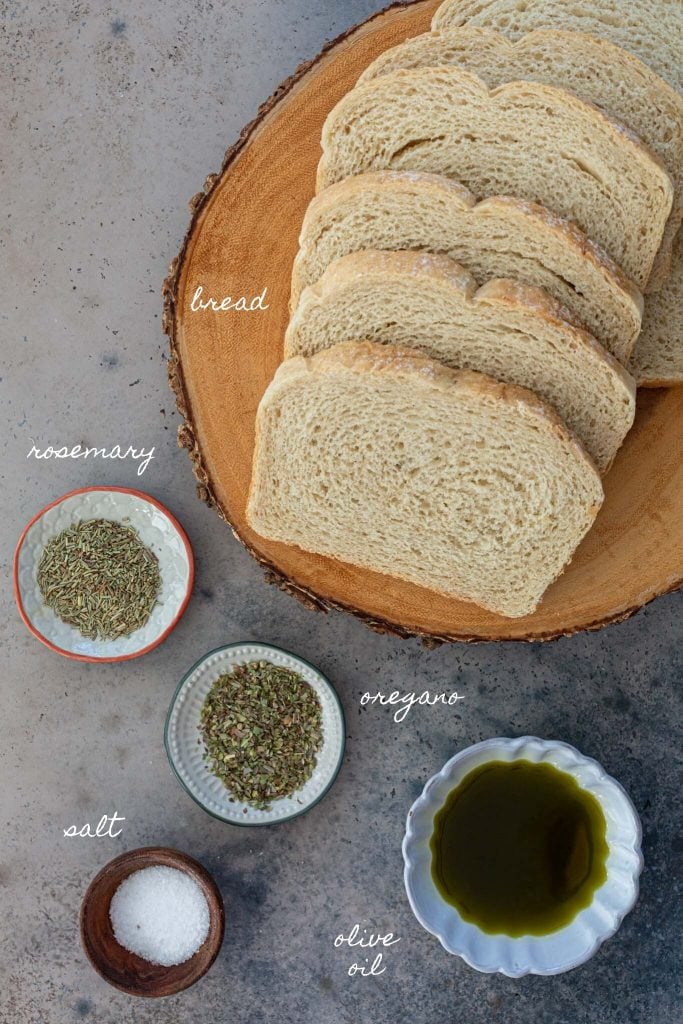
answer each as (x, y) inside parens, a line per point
(158, 530)
(186, 751)
(530, 954)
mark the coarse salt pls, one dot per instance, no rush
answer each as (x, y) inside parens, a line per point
(161, 914)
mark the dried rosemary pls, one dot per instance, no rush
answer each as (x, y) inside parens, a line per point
(99, 577)
(262, 729)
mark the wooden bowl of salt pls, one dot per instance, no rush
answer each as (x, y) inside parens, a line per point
(152, 921)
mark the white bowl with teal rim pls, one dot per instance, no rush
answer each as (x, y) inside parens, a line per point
(158, 530)
(558, 951)
(185, 748)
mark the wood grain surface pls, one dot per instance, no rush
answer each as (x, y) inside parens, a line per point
(243, 238)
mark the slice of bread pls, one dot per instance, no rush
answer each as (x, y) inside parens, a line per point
(494, 238)
(522, 139)
(593, 69)
(657, 360)
(510, 331)
(650, 29)
(448, 479)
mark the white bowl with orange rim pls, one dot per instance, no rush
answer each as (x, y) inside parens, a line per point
(158, 530)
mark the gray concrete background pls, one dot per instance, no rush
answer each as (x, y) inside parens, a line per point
(112, 117)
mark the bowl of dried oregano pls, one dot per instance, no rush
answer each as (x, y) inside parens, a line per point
(255, 734)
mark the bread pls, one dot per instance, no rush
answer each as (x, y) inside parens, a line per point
(657, 360)
(448, 479)
(512, 332)
(494, 238)
(522, 139)
(650, 29)
(593, 69)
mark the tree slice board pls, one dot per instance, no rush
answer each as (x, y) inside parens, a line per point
(242, 239)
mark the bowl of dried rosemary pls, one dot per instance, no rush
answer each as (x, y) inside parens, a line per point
(255, 734)
(103, 574)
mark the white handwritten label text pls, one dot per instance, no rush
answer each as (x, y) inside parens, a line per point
(228, 303)
(365, 941)
(102, 829)
(408, 700)
(79, 451)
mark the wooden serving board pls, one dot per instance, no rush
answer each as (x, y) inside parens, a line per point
(242, 239)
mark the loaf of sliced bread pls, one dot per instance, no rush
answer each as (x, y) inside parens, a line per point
(651, 29)
(494, 238)
(448, 479)
(510, 331)
(522, 139)
(657, 360)
(593, 69)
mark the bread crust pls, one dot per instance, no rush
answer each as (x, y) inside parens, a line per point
(615, 128)
(594, 119)
(525, 298)
(538, 310)
(556, 44)
(657, 359)
(661, 382)
(563, 231)
(458, 13)
(363, 357)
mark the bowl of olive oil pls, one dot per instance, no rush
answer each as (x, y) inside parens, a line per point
(522, 856)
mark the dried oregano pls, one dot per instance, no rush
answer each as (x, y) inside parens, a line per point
(99, 577)
(262, 729)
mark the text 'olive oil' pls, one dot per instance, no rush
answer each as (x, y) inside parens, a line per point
(519, 848)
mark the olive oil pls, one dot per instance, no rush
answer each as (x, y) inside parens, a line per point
(519, 848)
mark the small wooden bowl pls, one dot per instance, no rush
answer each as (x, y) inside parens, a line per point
(123, 969)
